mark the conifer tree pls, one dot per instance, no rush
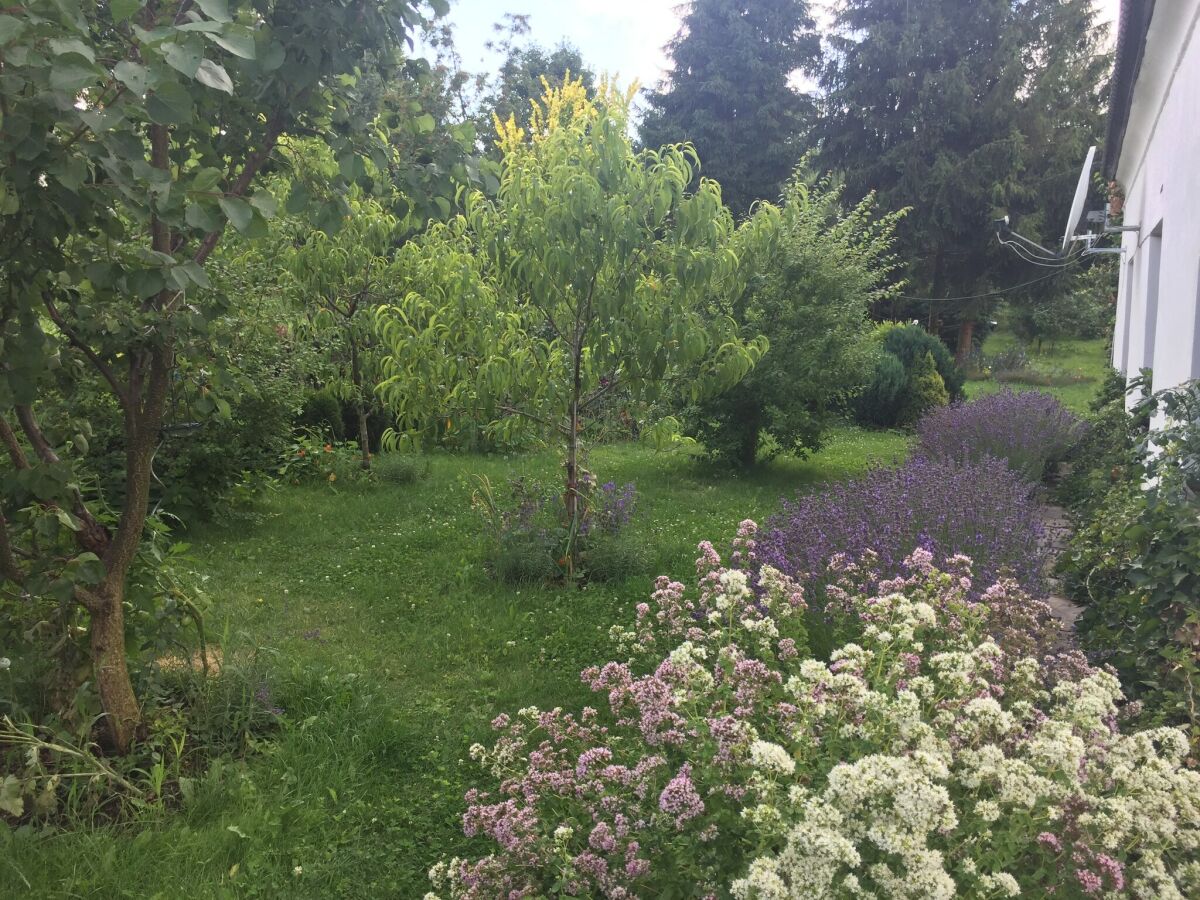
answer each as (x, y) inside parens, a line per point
(729, 93)
(964, 112)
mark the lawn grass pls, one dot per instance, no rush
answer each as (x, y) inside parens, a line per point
(366, 615)
(1086, 358)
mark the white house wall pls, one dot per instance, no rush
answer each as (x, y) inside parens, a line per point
(1159, 169)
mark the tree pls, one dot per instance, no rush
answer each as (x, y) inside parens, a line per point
(965, 112)
(132, 135)
(522, 79)
(729, 94)
(338, 281)
(816, 269)
(587, 273)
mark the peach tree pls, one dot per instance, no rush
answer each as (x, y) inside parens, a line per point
(133, 133)
(588, 273)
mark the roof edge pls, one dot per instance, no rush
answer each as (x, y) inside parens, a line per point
(1131, 47)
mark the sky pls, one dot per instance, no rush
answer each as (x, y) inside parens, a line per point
(624, 38)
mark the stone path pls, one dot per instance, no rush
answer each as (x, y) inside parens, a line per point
(1056, 533)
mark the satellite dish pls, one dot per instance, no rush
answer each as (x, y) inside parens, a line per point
(1081, 192)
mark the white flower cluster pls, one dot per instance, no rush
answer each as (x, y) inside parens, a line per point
(905, 783)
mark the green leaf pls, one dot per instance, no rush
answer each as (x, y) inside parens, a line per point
(64, 46)
(145, 283)
(239, 43)
(207, 179)
(66, 519)
(71, 74)
(215, 9)
(202, 216)
(182, 56)
(214, 76)
(170, 104)
(123, 9)
(425, 123)
(265, 203)
(134, 76)
(298, 199)
(274, 57)
(196, 273)
(239, 212)
(10, 29)
(11, 800)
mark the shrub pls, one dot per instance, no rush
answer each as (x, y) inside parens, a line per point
(923, 760)
(313, 458)
(889, 400)
(980, 509)
(926, 390)
(817, 269)
(1028, 430)
(1135, 559)
(322, 413)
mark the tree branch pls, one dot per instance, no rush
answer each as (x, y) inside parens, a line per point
(8, 562)
(15, 451)
(254, 162)
(101, 366)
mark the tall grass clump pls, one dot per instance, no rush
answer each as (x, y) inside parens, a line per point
(981, 509)
(1028, 430)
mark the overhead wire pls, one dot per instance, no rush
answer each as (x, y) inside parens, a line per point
(997, 293)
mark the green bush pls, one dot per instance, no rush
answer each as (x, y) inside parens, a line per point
(914, 372)
(1135, 557)
(322, 413)
(882, 398)
(817, 268)
(909, 343)
(926, 390)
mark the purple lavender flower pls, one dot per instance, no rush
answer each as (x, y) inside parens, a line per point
(944, 506)
(1028, 430)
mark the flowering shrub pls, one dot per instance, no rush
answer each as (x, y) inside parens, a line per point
(532, 533)
(925, 760)
(981, 510)
(1028, 430)
(314, 458)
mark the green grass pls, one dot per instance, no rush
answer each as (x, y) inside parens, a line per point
(390, 650)
(1087, 358)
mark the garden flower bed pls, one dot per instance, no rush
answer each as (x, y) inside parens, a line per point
(943, 753)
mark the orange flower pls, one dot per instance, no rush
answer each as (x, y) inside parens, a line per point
(329, 448)
(301, 453)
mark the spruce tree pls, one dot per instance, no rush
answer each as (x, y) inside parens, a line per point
(964, 112)
(728, 93)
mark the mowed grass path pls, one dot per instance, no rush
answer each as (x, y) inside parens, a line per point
(1088, 358)
(366, 615)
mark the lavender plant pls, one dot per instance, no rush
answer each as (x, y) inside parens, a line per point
(533, 533)
(980, 509)
(927, 759)
(1028, 430)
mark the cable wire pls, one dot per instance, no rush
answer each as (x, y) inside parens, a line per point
(997, 293)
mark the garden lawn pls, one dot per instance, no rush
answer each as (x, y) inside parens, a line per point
(1088, 358)
(375, 629)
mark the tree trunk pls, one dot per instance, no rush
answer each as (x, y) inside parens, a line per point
(966, 339)
(360, 408)
(120, 704)
(572, 495)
